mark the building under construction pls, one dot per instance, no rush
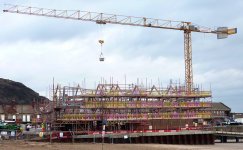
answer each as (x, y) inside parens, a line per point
(129, 107)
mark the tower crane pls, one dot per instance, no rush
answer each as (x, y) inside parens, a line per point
(102, 18)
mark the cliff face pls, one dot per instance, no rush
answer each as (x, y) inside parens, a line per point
(11, 90)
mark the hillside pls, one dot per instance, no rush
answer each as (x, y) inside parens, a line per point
(11, 90)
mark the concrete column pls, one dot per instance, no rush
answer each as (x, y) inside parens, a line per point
(142, 139)
(191, 139)
(173, 140)
(223, 139)
(161, 141)
(166, 139)
(236, 139)
(197, 139)
(187, 139)
(179, 139)
(148, 139)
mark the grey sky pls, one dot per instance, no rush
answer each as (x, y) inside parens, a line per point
(35, 49)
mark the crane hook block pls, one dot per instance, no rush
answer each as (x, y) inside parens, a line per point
(101, 41)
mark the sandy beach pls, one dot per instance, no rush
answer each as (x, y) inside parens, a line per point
(22, 145)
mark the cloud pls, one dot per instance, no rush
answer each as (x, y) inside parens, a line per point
(77, 57)
(226, 85)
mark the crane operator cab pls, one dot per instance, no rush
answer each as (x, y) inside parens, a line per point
(101, 54)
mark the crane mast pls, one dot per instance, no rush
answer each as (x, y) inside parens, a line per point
(102, 18)
(188, 60)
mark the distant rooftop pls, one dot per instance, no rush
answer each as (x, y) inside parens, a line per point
(220, 106)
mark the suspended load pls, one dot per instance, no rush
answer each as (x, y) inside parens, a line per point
(101, 54)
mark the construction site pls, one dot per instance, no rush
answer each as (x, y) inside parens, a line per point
(179, 113)
(130, 108)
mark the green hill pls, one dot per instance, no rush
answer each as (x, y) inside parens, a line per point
(21, 94)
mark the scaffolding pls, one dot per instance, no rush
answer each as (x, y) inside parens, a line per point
(129, 107)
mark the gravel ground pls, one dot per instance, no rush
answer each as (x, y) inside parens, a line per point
(21, 145)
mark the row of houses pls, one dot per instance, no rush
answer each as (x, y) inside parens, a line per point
(23, 113)
(220, 110)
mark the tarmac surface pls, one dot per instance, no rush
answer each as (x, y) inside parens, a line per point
(22, 145)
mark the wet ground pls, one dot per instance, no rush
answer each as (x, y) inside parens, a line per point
(22, 145)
